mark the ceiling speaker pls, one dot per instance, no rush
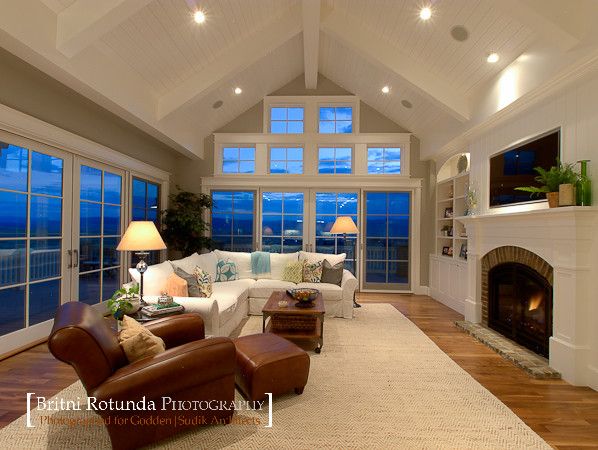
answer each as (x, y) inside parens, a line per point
(459, 33)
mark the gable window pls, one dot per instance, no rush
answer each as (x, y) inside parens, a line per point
(238, 160)
(232, 220)
(286, 160)
(335, 160)
(336, 119)
(286, 120)
(145, 205)
(384, 160)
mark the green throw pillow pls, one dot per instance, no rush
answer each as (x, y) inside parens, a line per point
(226, 270)
(293, 272)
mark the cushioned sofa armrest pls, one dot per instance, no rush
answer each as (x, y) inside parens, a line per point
(182, 367)
(207, 308)
(348, 285)
(178, 330)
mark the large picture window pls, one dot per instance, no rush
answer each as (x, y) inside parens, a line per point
(145, 205)
(232, 220)
(286, 160)
(384, 160)
(282, 221)
(286, 120)
(335, 160)
(238, 160)
(336, 119)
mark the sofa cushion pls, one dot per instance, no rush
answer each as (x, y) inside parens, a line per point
(278, 262)
(242, 261)
(155, 279)
(293, 272)
(330, 292)
(314, 257)
(228, 295)
(264, 288)
(192, 285)
(226, 270)
(312, 272)
(206, 261)
(176, 286)
(137, 341)
(332, 274)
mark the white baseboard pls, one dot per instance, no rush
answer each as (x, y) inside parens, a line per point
(453, 303)
(422, 290)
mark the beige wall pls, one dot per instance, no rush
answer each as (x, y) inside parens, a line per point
(25, 88)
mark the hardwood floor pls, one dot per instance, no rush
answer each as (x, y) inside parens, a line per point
(564, 415)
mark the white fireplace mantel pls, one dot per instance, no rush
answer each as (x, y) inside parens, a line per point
(567, 238)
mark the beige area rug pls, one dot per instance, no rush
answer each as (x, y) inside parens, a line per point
(378, 383)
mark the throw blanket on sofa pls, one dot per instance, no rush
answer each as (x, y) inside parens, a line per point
(260, 262)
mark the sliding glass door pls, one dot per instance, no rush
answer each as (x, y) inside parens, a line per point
(34, 233)
(387, 240)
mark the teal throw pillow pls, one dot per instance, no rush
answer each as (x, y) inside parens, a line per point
(226, 270)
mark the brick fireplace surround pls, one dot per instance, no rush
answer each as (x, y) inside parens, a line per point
(565, 239)
(509, 254)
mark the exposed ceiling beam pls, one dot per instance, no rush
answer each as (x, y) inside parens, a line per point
(85, 21)
(232, 62)
(311, 41)
(539, 22)
(382, 54)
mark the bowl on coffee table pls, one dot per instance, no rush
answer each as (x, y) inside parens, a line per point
(304, 296)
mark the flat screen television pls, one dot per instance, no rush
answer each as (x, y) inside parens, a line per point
(515, 167)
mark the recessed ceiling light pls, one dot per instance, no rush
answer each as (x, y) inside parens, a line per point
(199, 16)
(238, 90)
(425, 13)
(385, 90)
(492, 58)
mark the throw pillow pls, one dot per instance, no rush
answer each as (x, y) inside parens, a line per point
(226, 270)
(293, 272)
(137, 341)
(176, 286)
(192, 285)
(312, 272)
(204, 281)
(332, 274)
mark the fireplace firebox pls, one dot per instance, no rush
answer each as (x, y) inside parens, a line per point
(520, 305)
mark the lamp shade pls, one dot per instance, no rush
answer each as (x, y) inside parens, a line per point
(344, 225)
(141, 236)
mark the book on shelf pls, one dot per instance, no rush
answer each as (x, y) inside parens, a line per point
(157, 310)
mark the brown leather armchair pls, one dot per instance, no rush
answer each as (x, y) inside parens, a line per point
(192, 368)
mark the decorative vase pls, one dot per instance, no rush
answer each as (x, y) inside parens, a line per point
(566, 194)
(584, 186)
(553, 199)
(462, 163)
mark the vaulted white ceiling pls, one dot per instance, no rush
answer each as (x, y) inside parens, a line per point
(149, 62)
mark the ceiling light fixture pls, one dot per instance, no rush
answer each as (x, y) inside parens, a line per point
(238, 90)
(425, 13)
(492, 58)
(385, 90)
(199, 16)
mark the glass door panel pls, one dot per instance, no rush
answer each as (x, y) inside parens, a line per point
(282, 229)
(32, 226)
(100, 208)
(328, 206)
(387, 232)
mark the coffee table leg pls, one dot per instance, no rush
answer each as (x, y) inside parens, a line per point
(321, 339)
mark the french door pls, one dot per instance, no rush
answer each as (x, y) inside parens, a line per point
(283, 226)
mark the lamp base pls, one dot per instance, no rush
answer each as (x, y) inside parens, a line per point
(141, 268)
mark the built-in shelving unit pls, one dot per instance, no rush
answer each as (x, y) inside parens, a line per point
(450, 205)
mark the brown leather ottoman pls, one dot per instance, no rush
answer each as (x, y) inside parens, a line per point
(269, 363)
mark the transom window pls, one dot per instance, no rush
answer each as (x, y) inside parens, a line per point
(286, 160)
(232, 220)
(238, 159)
(146, 206)
(286, 120)
(336, 119)
(384, 160)
(335, 160)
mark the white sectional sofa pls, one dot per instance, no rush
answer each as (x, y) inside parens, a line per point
(231, 301)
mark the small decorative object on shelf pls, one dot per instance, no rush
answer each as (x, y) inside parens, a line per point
(165, 299)
(463, 252)
(124, 301)
(584, 185)
(471, 200)
(550, 182)
(462, 163)
(448, 213)
(447, 251)
(444, 231)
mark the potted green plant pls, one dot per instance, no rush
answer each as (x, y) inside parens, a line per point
(124, 301)
(550, 181)
(184, 224)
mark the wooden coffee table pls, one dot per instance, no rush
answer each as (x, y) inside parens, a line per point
(299, 325)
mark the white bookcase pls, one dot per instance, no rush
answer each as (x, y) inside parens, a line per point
(450, 205)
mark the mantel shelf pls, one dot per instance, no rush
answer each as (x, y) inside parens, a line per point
(565, 210)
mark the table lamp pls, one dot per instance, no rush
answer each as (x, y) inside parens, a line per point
(344, 225)
(140, 237)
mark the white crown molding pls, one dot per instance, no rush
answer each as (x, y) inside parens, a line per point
(554, 85)
(349, 138)
(29, 127)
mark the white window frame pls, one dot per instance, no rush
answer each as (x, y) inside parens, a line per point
(268, 119)
(383, 147)
(219, 158)
(285, 146)
(354, 118)
(335, 146)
